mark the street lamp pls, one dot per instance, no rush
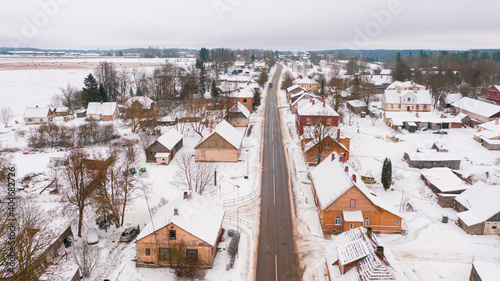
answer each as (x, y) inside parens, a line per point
(247, 163)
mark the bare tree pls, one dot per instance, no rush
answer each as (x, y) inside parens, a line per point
(29, 246)
(135, 115)
(5, 115)
(81, 182)
(198, 109)
(107, 76)
(70, 96)
(319, 136)
(86, 257)
(193, 175)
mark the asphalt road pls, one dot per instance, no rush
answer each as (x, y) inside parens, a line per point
(276, 259)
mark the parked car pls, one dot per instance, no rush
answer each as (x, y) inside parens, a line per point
(129, 233)
(92, 237)
(440, 132)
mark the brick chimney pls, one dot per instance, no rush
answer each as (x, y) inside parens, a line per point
(369, 232)
(325, 105)
(338, 134)
(176, 212)
(313, 101)
(354, 178)
(380, 252)
(342, 158)
(186, 195)
(333, 156)
(346, 168)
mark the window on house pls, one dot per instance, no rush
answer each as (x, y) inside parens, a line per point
(172, 235)
(417, 106)
(318, 120)
(366, 221)
(148, 252)
(215, 143)
(192, 254)
(203, 154)
(244, 100)
(338, 220)
(396, 222)
(353, 203)
(493, 227)
(351, 226)
(164, 254)
(392, 105)
(29, 119)
(425, 106)
(327, 145)
(329, 121)
(399, 106)
(308, 120)
(318, 156)
(408, 99)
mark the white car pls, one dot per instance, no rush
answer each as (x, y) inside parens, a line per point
(92, 237)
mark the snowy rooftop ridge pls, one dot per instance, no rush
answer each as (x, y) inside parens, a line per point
(305, 80)
(37, 112)
(102, 108)
(196, 215)
(227, 132)
(331, 181)
(444, 179)
(477, 107)
(481, 200)
(314, 107)
(125, 273)
(170, 138)
(238, 107)
(143, 100)
(246, 92)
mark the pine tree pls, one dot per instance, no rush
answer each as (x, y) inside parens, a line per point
(322, 89)
(204, 55)
(387, 173)
(252, 58)
(199, 63)
(203, 78)
(101, 94)
(90, 90)
(256, 98)
(214, 91)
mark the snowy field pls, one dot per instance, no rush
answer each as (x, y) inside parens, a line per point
(431, 250)
(23, 88)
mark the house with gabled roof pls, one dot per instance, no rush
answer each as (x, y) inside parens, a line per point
(190, 225)
(479, 209)
(488, 134)
(307, 83)
(238, 115)
(479, 111)
(493, 94)
(406, 96)
(344, 202)
(38, 115)
(319, 145)
(315, 111)
(106, 111)
(223, 144)
(357, 254)
(244, 96)
(143, 103)
(163, 150)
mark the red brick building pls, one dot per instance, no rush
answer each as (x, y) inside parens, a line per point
(493, 94)
(315, 111)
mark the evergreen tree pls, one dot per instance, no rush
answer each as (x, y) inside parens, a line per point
(214, 91)
(252, 58)
(101, 94)
(204, 55)
(402, 72)
(322, 90)
(387, 173)
(90, 90)
(263, 78)
(256, 98)
(203, 78)
(198, 63)
(398, 57)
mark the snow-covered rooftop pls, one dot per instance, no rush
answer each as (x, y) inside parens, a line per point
(481, 201)
(355, 246)
(404, 85)
(490, 129)
(488, 271)
(227, 132)
(238, 107)
(291, 88)
(452, 97)
(143, 100)
(104, 108)
(407, 97)
(196, 215)
(356, 103)
(477, 107)
(331, 181)
(304, 80)
(444, 179)
(125, 273)
(170, 138)
(36, 112)
(314, 107)
(433, 155)
(246, 92)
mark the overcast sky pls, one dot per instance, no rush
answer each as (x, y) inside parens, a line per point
(271, 24)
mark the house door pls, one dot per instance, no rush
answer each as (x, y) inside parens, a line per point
(351, 226)
(408, 108)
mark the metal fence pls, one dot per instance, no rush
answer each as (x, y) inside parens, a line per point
(241, 200)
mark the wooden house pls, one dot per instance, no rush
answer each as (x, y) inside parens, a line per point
(223, 144)
(443, 181)
(406, 96)
(238, 115)
(344, 202)
(142, 104)
(189, 225)
(484, 271)
(307, 83)
(479, 209)
(163, 150)
(488, 134)
(493, 94)
(478, 111)
(106, 111)
(312, 146)
(357, 106)
(38, 115)
(357, 254)
(62, 111)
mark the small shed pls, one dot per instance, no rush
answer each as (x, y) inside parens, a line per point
(163, 150)
(368, 178)
(357, 106)
(410, 126)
